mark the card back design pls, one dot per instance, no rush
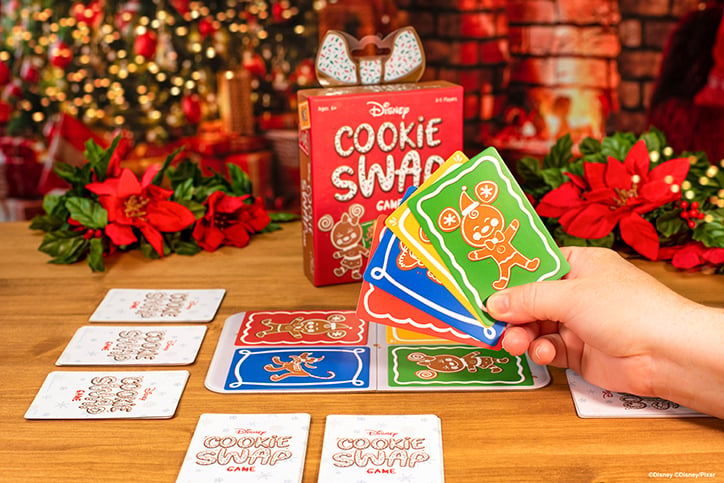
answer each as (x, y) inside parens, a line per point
(382, 448)
(150, 305)
(108, 395)
(247, 447)
(133, 345)
(592, 401)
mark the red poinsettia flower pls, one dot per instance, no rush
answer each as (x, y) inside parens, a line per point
(229, 220)
(142, 205)
(617, 193)
(692, 255)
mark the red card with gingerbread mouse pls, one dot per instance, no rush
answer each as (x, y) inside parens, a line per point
(302, 328)
(485, 230)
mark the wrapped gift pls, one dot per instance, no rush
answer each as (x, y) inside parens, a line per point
(219, 143)
(216, 148)
(360, 148)
(284, 144)
(15, 209)
(4, 113)
(20, 170)
(258, 165)
(144, 155)
(67, 137)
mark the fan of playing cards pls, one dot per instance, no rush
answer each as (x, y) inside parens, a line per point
(465, 233)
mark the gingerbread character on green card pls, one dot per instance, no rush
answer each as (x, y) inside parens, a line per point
(485, 230)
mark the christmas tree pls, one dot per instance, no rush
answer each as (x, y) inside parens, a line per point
(148, 67)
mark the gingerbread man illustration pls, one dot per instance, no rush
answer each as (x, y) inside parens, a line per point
(408, 260)
(482, 226)
(296, 366)
(448, 363)
(346, 237)
(332, 327)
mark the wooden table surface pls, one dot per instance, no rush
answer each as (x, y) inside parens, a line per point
(494, 436)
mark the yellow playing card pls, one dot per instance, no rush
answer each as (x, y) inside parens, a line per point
(404, 225)
(397, 335)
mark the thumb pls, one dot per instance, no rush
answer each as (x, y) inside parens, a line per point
(550, 300)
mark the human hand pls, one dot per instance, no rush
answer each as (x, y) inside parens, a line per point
(606, 319)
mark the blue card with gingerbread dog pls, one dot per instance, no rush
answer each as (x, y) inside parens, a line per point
(295, 351)
(485, 230)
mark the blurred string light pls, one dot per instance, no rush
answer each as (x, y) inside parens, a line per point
(107, 65)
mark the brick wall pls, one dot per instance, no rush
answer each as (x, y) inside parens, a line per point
(643, 32)
(466, 42)
(610, 50)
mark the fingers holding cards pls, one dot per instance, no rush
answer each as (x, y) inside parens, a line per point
(484, 229)
(465, 233)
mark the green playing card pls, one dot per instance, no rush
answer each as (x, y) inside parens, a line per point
(456, 367)
(485, 230)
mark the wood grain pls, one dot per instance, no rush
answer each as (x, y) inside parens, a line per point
(495, 436)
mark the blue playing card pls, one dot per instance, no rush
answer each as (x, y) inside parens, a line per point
(394, 269)
(308, 368)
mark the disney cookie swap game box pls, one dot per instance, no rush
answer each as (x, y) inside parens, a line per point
(360, 149)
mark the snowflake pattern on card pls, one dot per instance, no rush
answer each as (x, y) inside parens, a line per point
(595, 402)
(382, 448)
(247, 447)
(108, 395)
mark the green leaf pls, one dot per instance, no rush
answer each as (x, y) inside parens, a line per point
(711, 234)
(46, 223)
(162, 172)
(270, 227)
(187, 247)
(655, 140)
(554, 177)
(670, 223)
(73, 175)
(183, 171)
(184, 191)
(240, 181)
(283, 217)
(528, 169)
(99, 158)
(95, 255)
(196, 208)
(203, 191)
(576, 167)
(50, 201)
(64, 246)
(87, 212)
(568, 240)
(617, 145)
(560, 154)
(149, 252)
(589, 147)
